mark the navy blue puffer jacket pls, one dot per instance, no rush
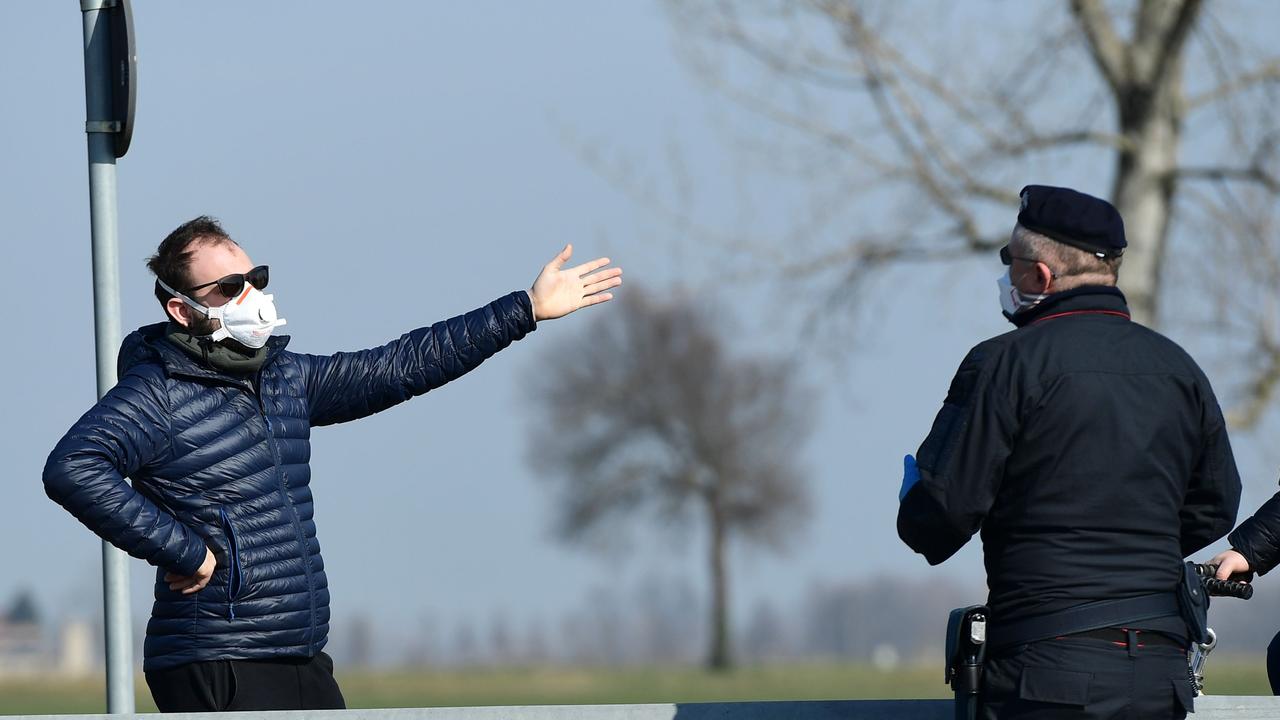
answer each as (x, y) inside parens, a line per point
(221, 460)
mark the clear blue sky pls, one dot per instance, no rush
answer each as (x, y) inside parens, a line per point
(397, 163)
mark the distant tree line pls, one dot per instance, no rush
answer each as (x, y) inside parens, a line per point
(656, 621)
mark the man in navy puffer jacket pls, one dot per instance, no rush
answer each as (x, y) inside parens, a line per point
(211, 421)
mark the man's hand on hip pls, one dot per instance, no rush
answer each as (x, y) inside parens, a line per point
(558, 292)
(194, 583)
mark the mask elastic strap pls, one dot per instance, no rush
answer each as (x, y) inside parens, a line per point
(203, 310)
(212, 313)
(1031, 300)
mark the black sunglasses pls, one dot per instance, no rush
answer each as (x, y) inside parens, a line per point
(1007, 258)
(231, 285)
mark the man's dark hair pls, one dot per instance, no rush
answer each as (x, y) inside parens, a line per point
(172, 261)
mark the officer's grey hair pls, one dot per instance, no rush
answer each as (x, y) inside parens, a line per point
(1073, 266)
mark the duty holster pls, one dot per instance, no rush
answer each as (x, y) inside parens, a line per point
(966, 649)
(1193, 604)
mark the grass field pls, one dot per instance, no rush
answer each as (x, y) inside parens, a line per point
(556, 686)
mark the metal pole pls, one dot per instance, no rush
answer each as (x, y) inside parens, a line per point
(106, 322)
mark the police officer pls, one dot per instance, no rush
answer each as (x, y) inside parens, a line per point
(1092, 454)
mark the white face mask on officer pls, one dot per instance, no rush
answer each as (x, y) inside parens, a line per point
(1013, 300)
(248, 318)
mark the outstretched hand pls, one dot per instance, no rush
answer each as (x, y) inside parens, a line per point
(559, 291)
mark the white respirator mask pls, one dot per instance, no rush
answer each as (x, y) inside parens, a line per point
(1013, 300)
(248, 318)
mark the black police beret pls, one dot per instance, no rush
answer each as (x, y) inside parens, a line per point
(1071, 217)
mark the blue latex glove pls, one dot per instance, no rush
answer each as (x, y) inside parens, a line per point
(910, 476)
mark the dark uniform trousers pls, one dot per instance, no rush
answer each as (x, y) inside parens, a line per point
(222, 685)
(1087, 678)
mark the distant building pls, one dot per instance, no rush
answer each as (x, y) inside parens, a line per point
(27, 649)
(22, 644)
(76, 656)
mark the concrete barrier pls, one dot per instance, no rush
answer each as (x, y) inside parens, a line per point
(1209, 707)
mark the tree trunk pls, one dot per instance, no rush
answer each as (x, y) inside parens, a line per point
(719, 658)
(1145, 78)
(1151, 123)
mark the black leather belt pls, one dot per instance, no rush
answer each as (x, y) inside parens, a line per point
(1120, 636)
(1081, 618)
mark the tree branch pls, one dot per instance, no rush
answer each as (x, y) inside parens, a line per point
(1253, 174)
(881, 85)
(1260, 391)
(1106, 48)
(1167, 45)
(730, 30)
(1007, 148)
(1268, 72)
(847, 17)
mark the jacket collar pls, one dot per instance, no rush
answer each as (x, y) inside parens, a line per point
(1102, 299)
(148, 343)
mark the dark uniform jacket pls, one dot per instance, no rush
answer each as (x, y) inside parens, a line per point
(1258, 538)
(222, 461)
(1089, 450)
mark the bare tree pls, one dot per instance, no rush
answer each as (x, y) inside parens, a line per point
(1172, 96)
(654, 414)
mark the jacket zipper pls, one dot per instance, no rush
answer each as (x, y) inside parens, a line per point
(284, 492)
(235, 578)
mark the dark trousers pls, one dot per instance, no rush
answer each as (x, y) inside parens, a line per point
(276, 684)
(1086, 678)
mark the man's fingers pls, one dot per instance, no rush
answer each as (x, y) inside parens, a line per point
(197, 587)
(596, 287)
(589, 267)
(599, 282)
(1229, 563)
(187, 583)
(181, 583)
(1229, 567)
(559, 260)
(596, 299)
(602, 275)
